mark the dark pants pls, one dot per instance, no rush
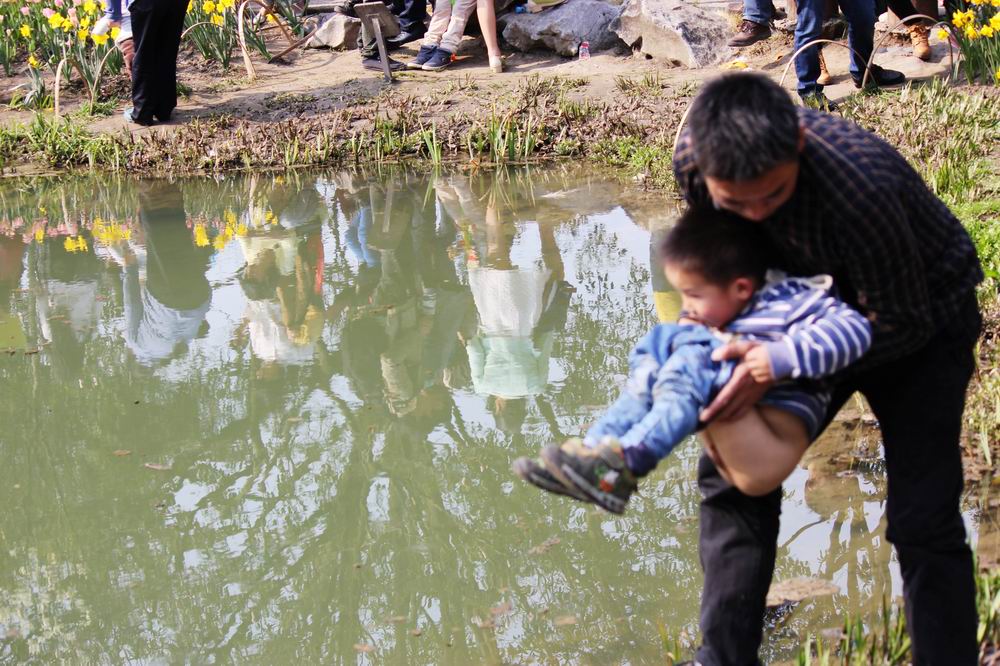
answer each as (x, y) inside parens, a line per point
(156, 29)
(918, 400)
(412, 14)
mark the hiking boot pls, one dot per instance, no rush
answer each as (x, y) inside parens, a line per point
(918, 38)
(438, 61)
(817, 100)
(423, 55)
(749, 33)
(880, 78)
(535, 474)
(824, 74)
(598, 472)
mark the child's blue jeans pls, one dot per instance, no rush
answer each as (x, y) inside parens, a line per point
(671, 378)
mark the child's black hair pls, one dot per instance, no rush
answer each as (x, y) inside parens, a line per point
(718, 245)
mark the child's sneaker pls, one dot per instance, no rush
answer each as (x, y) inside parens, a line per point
(532, 472)
(438, 61)
(598, 472)
(423, 55)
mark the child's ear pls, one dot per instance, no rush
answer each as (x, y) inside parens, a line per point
(744, 287)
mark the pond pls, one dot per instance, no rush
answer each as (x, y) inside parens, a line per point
(271, 419)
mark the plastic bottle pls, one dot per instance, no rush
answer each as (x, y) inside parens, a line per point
(584, 50)
(520, 9)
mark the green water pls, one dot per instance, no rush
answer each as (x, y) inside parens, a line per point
(320, 381)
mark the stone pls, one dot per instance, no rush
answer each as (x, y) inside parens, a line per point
(335, 31)
(674, 30)
(563, 28)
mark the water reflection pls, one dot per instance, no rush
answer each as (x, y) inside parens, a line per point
(271, 418)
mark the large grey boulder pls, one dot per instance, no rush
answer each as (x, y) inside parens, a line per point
(335, 31)
(563, 28)
(675, 30)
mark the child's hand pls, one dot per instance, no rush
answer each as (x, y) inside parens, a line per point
(759, 363)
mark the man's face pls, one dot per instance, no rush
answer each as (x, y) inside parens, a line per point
(756, 199)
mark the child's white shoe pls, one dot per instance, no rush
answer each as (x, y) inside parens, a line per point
(496, 64)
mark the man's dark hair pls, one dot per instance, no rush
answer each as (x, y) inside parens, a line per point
(718, 246)
(742, 125)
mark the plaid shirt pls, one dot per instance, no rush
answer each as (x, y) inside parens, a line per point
(862, 214)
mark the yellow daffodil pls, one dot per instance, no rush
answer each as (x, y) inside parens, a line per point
(85, 22)
(995, 22)
(976, 2)
(997, 75)
(82, 34)
(55, 21)
(90, 6)
(217, 19)
(67, 25)
(986, 31)
(971, 33)
(942, 34)
(100, 40)
(115, 32)
(190, 6)
(995, 3)
(208, 6)
(33, 61)
(26, 31)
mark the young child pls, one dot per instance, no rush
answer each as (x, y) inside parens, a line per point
(718, 263)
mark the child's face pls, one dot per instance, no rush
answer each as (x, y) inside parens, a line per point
(710, 304)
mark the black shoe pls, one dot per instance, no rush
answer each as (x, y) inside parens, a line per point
(423, 55)
(404, 37)
(817, 100)
(532, 472)
(749, 33)
(376, 64)
(129, 116)
(599, 472)
(880, 78)
(438, 60)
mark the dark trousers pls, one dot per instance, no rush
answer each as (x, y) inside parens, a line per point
(918, 400)
(860, 15)
(412, 14)
(156, 29)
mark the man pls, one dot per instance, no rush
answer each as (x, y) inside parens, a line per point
(835, 199)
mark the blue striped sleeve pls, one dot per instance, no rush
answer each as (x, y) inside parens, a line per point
(822, 336)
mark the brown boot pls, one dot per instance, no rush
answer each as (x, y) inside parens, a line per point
(749, 33)
(918, 37)
(824, 74)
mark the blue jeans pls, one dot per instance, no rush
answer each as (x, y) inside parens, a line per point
(671, 378)
(758, 11)
(860, 15)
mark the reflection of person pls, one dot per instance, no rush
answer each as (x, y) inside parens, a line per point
(718, 265)
(156, 34)
(835, 199)
(11, 266)
(168, 307)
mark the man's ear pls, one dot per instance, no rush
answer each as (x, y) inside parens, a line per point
(802, 138)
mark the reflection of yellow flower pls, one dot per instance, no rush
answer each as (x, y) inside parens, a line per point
(39, 235)
(77, 244)
(241, 229)
(100, 40)
(200, 235)
(26, 31)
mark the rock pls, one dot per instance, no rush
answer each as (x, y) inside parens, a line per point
(335, 31)
(674, 30)
(562, 28)
(798, 589)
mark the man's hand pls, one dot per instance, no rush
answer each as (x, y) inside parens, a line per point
(742, 391)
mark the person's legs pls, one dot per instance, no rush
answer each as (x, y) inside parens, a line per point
(808, 27)
(919, 401)
(412, 15)
(439, 23)
(171, 27)
(456, 25)
(145, 24)
(486, 13)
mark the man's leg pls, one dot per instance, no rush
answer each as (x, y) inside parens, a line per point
(737, 541)
(860, 15)
(918, 401)
(172, 26)
(144, 63)
(808, 27)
